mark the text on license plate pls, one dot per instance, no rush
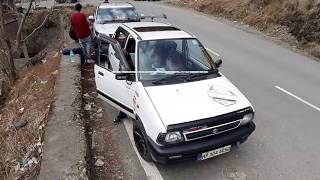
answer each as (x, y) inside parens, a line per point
(213, 153)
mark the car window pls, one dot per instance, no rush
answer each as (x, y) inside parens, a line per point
(112, 15)
(103, 58)
(159, 58)
(121, 36)
(112, 57)
(196, 52)
(129, 52)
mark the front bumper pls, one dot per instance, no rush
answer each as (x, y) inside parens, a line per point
(190, 150)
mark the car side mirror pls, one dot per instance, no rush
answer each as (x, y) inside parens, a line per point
(91, 18)
(218, 63)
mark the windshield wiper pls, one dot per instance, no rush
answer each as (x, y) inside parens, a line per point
(193, 76)
(171, 77)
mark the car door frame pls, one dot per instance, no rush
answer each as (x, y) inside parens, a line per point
(115, 96)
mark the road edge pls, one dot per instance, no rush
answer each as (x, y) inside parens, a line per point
(65, 145)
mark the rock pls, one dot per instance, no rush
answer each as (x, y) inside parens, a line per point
(41, 127)
(43, 82)
(87, 107)
(99, 163)
(55, 72)
(99, 115)
(99, 110)
(56, 55)
(17, 167)
(30, 162)
(21, 110)
(44, 60)
(35, 160)
(20, 123)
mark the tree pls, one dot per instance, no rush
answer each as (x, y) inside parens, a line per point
(18, 38)
(8, 60)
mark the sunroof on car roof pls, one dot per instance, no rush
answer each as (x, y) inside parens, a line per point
(156, 28)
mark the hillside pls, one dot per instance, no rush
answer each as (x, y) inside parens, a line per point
(300, 18)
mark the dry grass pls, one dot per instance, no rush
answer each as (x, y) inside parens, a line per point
(33, 91)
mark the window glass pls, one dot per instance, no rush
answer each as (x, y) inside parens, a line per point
(104, 60)
(121, 37)
(160, 58)
(111, 15)
(196, 52)
(130, 52)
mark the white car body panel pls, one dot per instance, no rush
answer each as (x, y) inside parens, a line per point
(185, 102)
(118, 90)
(106, 29)
(146, 111)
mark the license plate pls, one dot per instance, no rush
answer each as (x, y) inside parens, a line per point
(213, 153)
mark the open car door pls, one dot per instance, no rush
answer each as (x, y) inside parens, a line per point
(111, 60)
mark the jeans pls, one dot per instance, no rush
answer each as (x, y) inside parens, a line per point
(85, 44)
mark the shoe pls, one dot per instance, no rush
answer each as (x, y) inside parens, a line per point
(90, 61)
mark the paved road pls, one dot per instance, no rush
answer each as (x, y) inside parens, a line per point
(284, 88)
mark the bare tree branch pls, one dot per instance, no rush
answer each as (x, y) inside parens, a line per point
(4, 52)
(22, 24)
(36, 29)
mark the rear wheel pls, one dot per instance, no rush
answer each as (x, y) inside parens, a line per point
(140, 141)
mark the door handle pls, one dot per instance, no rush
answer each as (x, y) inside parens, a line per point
(100, 73)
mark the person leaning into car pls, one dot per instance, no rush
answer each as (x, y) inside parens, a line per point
(81, 28)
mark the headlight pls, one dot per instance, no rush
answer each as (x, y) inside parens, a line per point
(170, 138)
(247, 118)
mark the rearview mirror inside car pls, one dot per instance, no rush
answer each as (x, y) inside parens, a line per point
(218, 63)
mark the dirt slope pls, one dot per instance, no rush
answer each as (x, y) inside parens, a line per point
(301, 18)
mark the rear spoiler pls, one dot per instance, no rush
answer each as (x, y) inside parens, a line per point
(142, 16)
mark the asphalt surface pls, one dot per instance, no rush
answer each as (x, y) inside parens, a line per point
(283, 86)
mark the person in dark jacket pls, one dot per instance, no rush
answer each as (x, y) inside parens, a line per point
(81, 28)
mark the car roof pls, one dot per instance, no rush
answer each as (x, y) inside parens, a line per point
(156, 30)
(116, 5)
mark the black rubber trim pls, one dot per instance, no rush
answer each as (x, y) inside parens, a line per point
(212, 121)
(190, 150)
(116, 102)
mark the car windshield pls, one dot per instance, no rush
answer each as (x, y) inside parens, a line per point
(162, 59)
(109, 15)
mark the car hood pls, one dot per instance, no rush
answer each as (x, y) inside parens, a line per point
(192, 101)
(106, 29)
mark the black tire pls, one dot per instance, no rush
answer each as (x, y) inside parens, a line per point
(140, 141)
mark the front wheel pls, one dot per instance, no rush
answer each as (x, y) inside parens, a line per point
(141, 142)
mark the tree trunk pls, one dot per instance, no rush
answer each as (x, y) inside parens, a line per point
(18, 38)
(11, 62)
(1, 21)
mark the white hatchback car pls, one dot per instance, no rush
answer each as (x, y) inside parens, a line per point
(164, 79)
(109, 16)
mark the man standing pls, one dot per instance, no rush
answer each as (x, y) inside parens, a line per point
(82, 30)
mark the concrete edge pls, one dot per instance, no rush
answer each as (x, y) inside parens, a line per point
(65, 146)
